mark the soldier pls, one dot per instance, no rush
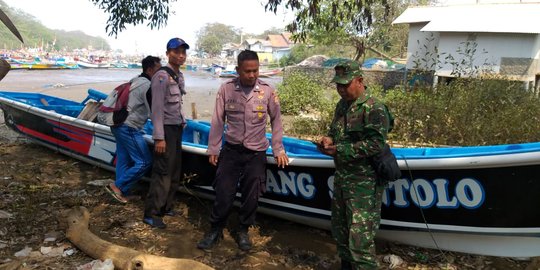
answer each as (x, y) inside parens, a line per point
(358, 131)
(245, 103)
(168, 121)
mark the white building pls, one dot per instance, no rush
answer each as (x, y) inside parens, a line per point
(501, 39)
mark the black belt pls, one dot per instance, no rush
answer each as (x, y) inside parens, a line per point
(239, 148)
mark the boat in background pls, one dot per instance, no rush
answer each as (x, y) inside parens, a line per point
(477, 200)
(269, 73)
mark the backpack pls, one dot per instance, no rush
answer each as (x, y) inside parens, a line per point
(113, 111)
(385, 163)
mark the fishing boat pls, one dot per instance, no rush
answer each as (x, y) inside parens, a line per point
(478, 200)
(269, 73)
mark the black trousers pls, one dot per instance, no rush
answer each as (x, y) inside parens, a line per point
(166, 174)
(238, 168)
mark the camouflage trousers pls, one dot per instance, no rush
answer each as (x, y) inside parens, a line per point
(356, 215)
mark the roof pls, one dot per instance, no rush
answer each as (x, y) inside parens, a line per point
(277, 41)
(494, 18)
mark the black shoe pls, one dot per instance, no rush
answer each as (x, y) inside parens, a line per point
(345, 265)
(210, 239)
(155, 222)
(242, 239)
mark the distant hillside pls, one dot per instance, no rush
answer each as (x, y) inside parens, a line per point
(35, 34)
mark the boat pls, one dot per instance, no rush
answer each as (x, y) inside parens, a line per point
(269, 73)
(477, 200)
(85, 64)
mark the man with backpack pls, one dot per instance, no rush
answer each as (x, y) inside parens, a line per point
(133, 158)
(168, 121)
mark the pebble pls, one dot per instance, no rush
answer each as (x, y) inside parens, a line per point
(4, 214)
(23, 252)
(100, 182)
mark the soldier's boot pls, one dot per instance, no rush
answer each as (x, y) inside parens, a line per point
(243, 241)
(211, 238)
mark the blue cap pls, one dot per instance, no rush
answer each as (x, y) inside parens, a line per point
(176, 42)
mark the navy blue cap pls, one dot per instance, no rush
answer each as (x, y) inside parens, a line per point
(176, 42)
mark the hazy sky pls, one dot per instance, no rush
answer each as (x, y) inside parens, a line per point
(190, 16)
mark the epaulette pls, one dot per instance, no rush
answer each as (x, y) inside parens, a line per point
(229, 81)
(262, 82)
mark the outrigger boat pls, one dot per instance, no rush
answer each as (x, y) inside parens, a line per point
(478, 200)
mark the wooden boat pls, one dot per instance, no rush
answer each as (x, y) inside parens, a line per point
(269, 73)
(479, 200)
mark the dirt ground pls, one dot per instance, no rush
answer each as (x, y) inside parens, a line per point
(37, 185)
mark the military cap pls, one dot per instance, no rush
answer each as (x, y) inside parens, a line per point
(346, 71)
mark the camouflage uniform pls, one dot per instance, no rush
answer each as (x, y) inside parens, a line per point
(358, 130)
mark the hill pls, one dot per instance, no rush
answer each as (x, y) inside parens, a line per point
(35, 34)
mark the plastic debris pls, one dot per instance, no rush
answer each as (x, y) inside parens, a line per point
(393, 260)
(23, 252)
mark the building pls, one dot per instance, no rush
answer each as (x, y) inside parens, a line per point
(270, 49)
(475, 39)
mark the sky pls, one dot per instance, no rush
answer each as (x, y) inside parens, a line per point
(189, 17)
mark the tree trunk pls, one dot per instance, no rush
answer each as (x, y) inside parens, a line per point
(4, 68)
(122, 257)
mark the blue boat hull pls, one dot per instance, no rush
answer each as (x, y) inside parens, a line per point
(468, 199)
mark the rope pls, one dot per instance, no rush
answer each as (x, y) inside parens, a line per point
(422, 212)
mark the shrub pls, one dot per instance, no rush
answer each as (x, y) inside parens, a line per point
(310, 103)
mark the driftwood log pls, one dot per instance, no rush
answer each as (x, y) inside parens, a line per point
(122, 257)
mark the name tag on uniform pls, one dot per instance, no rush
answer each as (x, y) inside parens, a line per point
(230, 106)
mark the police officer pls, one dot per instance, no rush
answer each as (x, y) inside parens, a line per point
(245, 103)
(358, 131)
(168, 121)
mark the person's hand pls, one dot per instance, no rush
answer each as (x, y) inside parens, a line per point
(330, 150)
(326, 141)
(282, 160)
(159, 146)
(326, 146)
(213, 159)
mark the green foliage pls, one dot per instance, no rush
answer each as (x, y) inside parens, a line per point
(309, 102)
(361, 24)
(36, 35)
(212, 37)
(122, 13)
(465, 112)
(271, 31)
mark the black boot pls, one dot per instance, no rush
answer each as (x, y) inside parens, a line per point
(242, 239)
(345, 265)
(211, 238)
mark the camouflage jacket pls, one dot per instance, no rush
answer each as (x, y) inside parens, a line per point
(358, 130)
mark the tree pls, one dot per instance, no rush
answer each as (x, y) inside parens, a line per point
(362, 24)
(271, 31)
(122, 13)
(212, 37)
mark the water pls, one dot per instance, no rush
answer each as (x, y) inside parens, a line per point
(74, 84)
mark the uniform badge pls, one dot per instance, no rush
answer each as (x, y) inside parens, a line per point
(260, 114)
(261, 97)
(276, 98)
(161, 78)
(231, 106)
(259, 108)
